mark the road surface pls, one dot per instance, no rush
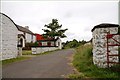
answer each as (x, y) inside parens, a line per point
(54, 65)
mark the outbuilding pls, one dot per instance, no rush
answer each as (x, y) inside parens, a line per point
(105, 44)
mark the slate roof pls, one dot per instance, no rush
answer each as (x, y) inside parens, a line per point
(104, 25)
(23, 29)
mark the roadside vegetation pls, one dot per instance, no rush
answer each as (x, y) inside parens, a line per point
(9, 61)
(73, 44)
(29, 52)
(83, 63)
(24, 52)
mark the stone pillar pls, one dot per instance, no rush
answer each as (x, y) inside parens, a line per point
(19, 50)
(99, 42)
(34, 50)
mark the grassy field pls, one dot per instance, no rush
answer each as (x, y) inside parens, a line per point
(83, 63)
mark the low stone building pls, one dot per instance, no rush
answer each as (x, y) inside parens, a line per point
(8, 34)
(100, 41)
(48, 42)
(44, 44)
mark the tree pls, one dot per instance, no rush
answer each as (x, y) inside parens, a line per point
(54, 30)
(71, 44)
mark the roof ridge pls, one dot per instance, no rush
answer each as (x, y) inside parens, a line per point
(104, 25)
(21, 28)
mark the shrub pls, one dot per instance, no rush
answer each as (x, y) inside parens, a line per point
(28, 46)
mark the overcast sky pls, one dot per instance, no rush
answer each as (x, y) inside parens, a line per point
(78, 16)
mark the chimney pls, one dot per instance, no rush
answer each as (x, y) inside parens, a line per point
(27, 27)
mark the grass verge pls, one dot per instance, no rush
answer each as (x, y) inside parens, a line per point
(26, 52)
(9, 61)
(83, 63)
(29, 52)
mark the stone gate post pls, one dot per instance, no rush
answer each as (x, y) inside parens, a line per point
(99, 42)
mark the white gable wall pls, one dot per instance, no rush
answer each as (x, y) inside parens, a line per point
(28, 37)
(34, 38)
(20, 32)
(9, 38)
(59, 43)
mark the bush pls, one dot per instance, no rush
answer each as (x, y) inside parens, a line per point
(28, 46)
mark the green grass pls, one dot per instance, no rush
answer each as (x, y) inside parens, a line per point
(29, 52)
(9, 61)
(84, 64)
(26, 52)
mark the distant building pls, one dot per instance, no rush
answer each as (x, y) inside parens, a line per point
(48, 42)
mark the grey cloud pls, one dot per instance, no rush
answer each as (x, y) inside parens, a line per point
(79, 17)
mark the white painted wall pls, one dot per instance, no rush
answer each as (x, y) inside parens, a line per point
(38, 50)
(52, 43)
(9, 38)
(28, 37)
(59, 43)
(34, 38)
(0, 38)
(44, 43)
(20, 32)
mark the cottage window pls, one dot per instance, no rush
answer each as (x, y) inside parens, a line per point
(52, 43)
(49, 43)
(40, 44)
(44, 43)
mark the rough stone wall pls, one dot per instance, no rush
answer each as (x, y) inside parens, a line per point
(38, 50)
(100, 46)
(9, 38)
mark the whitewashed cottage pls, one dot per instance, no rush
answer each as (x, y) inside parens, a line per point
(25, 35)
(8, 34)
(43, 44)
(12, 37)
